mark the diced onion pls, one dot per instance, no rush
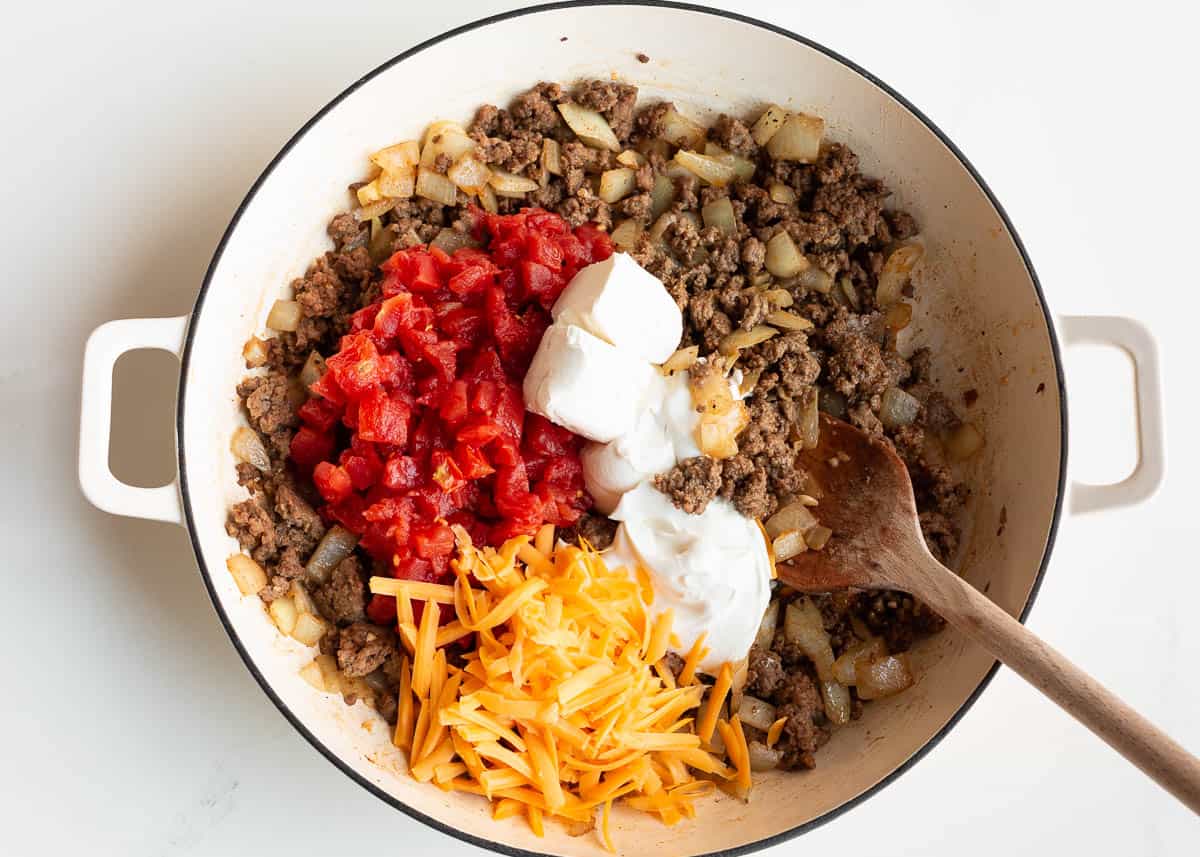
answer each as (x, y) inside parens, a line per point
(896, 273)
(743, 168)
(301, 598)
(590, 127)
(739, 339)
(850, 292)
(684, 358)
(719, 213)
(313, 369)
(254, 352)
(708, 170)
(898, 316)
(331, 677)
(788, 320)
(867, 651)
(440, 126)
(883, 677)
(781, 193)
(784, 259)
(284, 315)
(963, 442)
(551, 156)
(661, 225)
(898, 408)
(447, 139)
(469, 173)
(436, 187)
(506, 183)
(397, 184)
(717, 433)
(283, 614)
(337, 544)
(487, 199)
(837, 702)
(815, 278)
(749, 381)
(788, 544)
(617, 184)
(247, 446)
(247, 574)
(803, 626)
(398, 156)
(375, 209)
(369, 193)
(766, 628)
(768, 124)
(809, 425)
(779, 297)
(762, 757)
(625, 234)
(681, 131)
(661, 195)
(818, 537)
(754, 712)
(798, 139)
(309, 629)
(631, 158)
(793, 516)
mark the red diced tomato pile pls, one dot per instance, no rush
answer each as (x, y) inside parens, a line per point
(418, 422)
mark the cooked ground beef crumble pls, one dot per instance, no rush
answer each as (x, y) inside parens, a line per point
(847, 360)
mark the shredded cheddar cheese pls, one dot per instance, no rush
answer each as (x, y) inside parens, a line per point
(563, 704)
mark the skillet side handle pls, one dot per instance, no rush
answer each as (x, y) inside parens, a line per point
(106, 344)
(1136, 340)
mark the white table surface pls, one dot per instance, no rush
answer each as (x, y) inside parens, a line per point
(130, 135)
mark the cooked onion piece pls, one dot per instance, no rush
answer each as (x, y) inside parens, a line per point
(784, 259)
(661, 195)
(743, 168)
(866, 651)
(719, 213)
(717, 433)
(815, 278)
(445, 138)
(337, 544)
(398, 184)
(809, 425)
(309, 629)
(247, 574)
(631, 158)
(754, 712)
(883, 677)
(793, 516)
(708, 170)
(896, 273)
(804, 627)
(734, 342)
(798, 139)
(469, 173)
(768, 124)
(617, 184)
(898, 316)
(436, 187)
(398, 157)
(487, 199)
(590, 127)
(625, 234)
(551, 156)
(684, 358)
(818, 537)
(788, 544)
(681, 131)
(254, 352)
(313, 369)
(375, 209)
(766, 628)
(247, 446)
(284, 316)
(788, 320)
(898, 408)
(506, 183)
(283, 614)
(781, 193)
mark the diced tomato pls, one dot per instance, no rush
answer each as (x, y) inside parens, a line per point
(415, 269)
(471, 461)
(320, 414)
(309, 447)
(333, 482)
(428, 382)
(382, 609)
(383, 418)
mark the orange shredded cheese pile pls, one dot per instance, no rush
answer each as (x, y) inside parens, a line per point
(563, 704)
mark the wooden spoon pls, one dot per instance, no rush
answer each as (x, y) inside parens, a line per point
(867, 500)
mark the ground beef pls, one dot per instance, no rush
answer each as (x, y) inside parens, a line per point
(615, 101)
(734, 136)
(300, 527)
(691, 483)
(535, 111)
(343, 599)
(268, 404)
(254, 527)
(765, 673)
(806, 728)
(363, 648)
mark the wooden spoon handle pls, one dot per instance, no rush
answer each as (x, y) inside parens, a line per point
(1076, 692)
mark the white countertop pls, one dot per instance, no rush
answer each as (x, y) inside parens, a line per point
(131, 134)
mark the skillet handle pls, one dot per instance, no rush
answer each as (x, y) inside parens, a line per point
(106, 344)
(1139, 344)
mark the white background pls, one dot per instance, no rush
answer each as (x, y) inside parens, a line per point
(130, 134)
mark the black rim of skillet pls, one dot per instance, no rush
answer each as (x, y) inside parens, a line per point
(517, 13)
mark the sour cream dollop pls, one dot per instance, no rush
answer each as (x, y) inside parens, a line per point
(711, 570)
